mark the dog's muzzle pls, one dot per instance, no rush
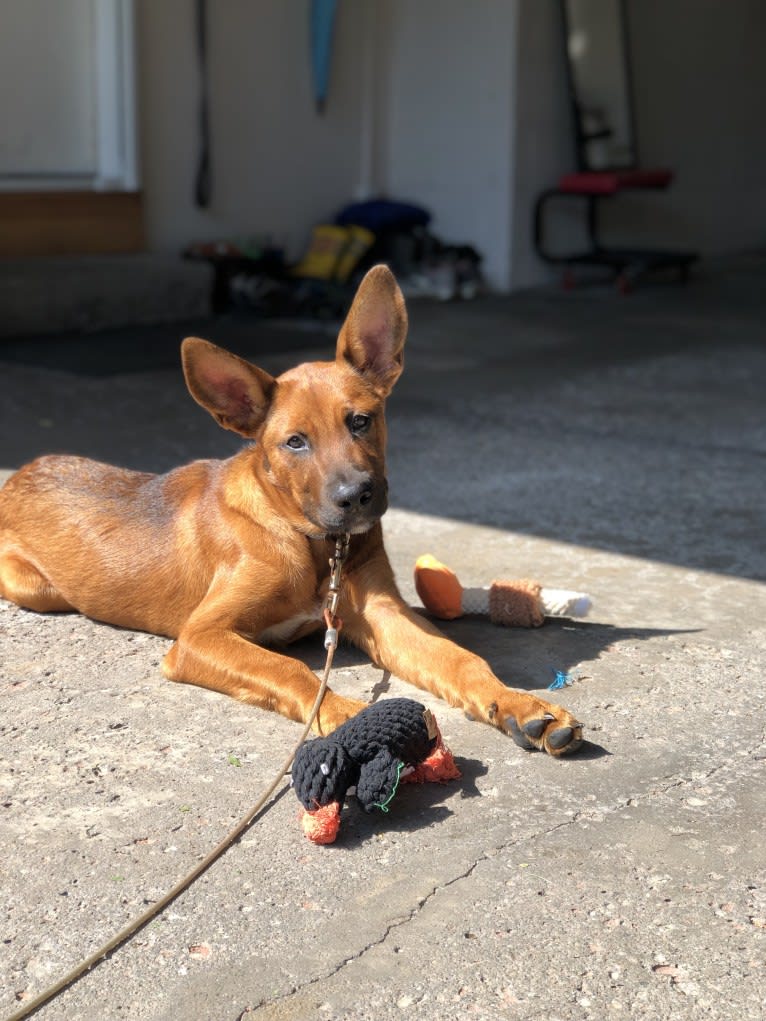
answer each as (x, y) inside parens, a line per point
(354, 502)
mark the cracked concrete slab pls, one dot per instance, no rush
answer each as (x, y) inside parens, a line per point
(609, 444)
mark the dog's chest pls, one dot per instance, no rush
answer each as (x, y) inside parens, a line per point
(293, 628)
(305, 615)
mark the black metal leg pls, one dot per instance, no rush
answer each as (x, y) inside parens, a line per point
(626, 264)
(538, 231)
(592, 219)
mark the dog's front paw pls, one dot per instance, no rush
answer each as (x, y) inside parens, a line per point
(539, 725)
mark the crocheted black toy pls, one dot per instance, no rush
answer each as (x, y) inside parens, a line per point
(389, 742)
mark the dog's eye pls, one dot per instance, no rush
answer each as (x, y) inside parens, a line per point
(359, 424)
(296, 442)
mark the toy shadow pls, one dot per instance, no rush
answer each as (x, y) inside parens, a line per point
(530, 658)
(416, 806)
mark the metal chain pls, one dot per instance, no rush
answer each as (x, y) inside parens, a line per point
(333, 622)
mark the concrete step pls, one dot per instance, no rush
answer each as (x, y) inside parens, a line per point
(51, 294)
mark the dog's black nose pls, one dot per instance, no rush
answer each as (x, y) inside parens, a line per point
(352, 494)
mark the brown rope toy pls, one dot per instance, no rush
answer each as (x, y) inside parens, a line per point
(509, 603)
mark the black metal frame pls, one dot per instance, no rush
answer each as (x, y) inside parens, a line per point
(627, 264)
(581, 137)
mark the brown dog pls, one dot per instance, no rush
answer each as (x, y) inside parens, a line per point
(229, 556)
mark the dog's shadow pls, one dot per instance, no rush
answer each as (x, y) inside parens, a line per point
(530, 658)
(525, 658)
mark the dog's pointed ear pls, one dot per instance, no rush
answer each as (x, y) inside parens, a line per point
(236, 393)
(373, 335)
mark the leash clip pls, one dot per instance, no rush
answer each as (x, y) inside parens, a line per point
(334, 624)
(331, 619)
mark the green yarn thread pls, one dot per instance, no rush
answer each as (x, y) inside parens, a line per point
(383, 805)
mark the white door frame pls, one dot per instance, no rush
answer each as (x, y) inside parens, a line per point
(117, 156)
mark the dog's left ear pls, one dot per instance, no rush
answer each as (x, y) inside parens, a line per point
(373, 335)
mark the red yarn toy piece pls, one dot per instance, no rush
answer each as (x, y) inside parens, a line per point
(321, 826)
(439, 767)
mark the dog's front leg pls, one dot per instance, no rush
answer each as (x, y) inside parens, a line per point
(408, 645)
(223, 660)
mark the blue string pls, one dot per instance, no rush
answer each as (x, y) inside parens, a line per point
(561, 679)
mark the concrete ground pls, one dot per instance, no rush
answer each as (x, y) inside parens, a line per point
(594, 441)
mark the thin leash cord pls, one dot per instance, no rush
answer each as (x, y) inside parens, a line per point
(130, 930)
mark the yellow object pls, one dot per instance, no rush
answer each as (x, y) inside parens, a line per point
(359, 241)
(438, 587)
(334, 252)
(321, 260)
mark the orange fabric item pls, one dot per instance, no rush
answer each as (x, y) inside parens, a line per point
(439, 767)
(321, 826)
(438, 588)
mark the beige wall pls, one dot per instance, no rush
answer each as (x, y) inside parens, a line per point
(450, 123)
(277, 166)
(441, 98)
(700, 87)
(543, 142)
(699, 82)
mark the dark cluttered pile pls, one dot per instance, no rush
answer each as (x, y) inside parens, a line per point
(256, 276)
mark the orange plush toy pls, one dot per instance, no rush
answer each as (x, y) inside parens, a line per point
(521, 603)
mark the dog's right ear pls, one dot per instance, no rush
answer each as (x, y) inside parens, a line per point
(236, 393)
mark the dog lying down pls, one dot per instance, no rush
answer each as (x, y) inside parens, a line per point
(229, 557)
